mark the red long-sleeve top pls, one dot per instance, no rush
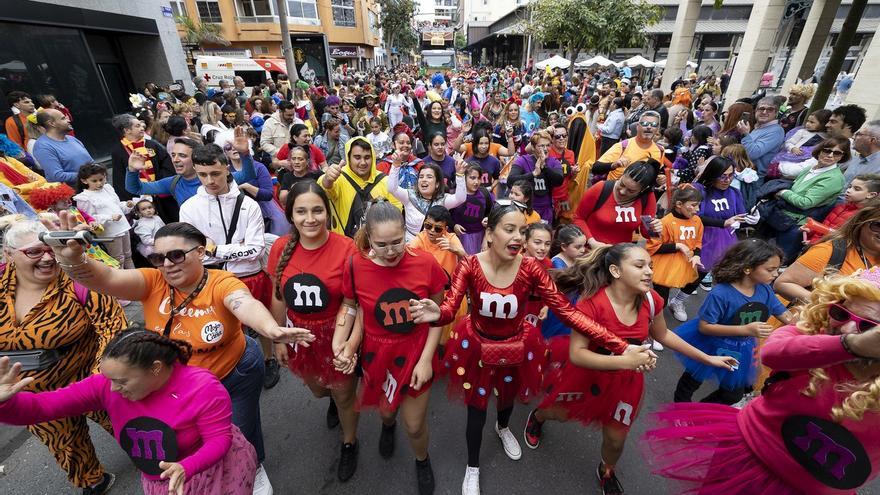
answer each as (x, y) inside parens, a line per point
(498, 312)
(612, 223)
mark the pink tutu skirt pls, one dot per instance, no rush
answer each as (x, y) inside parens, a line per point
(315, 362)
(472, 381)
(701, 449)
(233, 475)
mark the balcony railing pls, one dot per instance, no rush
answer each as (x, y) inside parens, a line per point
(273, 19)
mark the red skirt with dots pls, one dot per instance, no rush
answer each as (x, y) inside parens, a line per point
(474, 382)
(594, 397)
(315, 362)
(388, 363)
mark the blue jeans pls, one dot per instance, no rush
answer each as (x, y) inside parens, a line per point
(790, 242)
(245, 384)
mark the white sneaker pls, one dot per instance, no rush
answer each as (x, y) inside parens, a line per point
(745, 400)
(678, 311)
(656, 346)
(262, 486)
(471, 483)
(511, 445)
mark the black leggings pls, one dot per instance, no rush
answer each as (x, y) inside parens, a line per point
(476, 420)
(687, 289)
(687, 385)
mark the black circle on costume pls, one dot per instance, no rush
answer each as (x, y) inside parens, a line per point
(399, 361)
(392, 310)
(595, 390)
(305, 293)
(368, 357)
(749, 313)
(147, 441)
(827, 450)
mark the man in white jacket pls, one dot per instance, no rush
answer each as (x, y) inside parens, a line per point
(233, 223)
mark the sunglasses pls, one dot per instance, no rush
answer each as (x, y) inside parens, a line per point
(560, 136)
(230, 115)
(832, 152)
(511, 202)
(765, 109)
(841, 315)
(175, 256)
(37, 252)
(874, 226)
(437, 228)
(649, 124)
(227, 147)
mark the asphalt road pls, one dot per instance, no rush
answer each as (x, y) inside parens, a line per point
(302, 453)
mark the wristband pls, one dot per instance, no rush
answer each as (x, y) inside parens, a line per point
(82, 262)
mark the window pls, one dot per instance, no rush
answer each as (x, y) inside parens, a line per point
(732, 13)
(304, 9)
(252, 8)
(261, 50)
(343, 13)
(209, 11)
(178, 8)
(374, 23)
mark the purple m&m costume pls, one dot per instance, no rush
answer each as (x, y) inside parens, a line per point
(470, 216)
(551, 176)
(716, 207)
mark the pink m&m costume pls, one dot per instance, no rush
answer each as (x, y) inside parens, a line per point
(188, 420)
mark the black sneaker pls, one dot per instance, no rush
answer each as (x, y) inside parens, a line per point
(332, 415)
(386, 441)
(348, 461)
(532, 433)
(610, 485)
(273, 373)
(425, 476)
(102, 487)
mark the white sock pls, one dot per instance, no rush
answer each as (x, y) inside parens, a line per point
(681, 297)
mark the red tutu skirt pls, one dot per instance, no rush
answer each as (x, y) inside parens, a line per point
(593, 397)
(233, 475)
(473, 382)
(315, 362)
(388, 363)
(260, 286)
(700, 447)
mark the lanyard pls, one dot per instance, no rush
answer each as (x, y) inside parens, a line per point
(192, 295)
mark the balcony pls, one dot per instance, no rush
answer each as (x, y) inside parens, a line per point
(274, 19)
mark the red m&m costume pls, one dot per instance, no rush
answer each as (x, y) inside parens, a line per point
(498, 314)
(392, 343)
(596, 396)
(311, 286)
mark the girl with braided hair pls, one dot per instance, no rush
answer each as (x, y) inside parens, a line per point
(814, 428)
(173, 420)
(306, 269)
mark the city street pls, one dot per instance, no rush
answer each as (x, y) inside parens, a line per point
(302, 453)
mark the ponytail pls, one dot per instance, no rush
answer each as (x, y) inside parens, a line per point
(379, 210)
(589, 274)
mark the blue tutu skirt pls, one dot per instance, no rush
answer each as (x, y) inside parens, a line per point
(742, 348)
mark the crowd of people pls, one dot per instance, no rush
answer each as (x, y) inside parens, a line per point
(516, 233)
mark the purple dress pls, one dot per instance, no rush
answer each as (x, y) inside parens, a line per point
(716, 207)
(447, 166)
(470, 216)
(491, 168)
(551, 176)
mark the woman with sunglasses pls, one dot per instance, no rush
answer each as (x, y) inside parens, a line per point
(814, 429)
(813, 193)
(44, 311)
(854, 246)
(206, 308)
(396, 351)
(495, 351)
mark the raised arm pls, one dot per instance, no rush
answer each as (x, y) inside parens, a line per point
(787, 349)
(394, 186)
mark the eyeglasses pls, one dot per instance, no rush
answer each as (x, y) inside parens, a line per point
(832, 152)
(560, 136)
(841, 315)
(175, 256)
(394, 246)
(437, 228)
(875, 226)
(649, 124)
(511, 202)
(230, 115)
(765, 109)
(37, 252)
(725, 177)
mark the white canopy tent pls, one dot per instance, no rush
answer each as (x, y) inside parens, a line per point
(638, 61)
(554, 62)
(662, 64)
(597, 61)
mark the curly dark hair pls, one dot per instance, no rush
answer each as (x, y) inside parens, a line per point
(747, 254)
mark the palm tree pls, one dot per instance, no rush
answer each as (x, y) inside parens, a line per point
(201, 32)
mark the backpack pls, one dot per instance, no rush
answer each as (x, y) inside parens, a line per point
(607, 189)
(358, 209)
(838, 253)
(174, 182)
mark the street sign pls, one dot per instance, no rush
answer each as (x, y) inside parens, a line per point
(167, 12)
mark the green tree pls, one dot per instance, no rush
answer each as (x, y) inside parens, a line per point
(396, 22)
(597, 26)
(200, 33)
(460, 41)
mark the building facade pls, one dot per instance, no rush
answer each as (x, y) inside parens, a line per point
(89, 54)
(251, 26)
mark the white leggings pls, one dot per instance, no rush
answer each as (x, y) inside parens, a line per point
(120, 249)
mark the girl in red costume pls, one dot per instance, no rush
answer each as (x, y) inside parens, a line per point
(306, 268)
(493, 351)
(397, 352)
(591, 386)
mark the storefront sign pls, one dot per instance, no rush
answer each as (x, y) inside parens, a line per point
(343, 51)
